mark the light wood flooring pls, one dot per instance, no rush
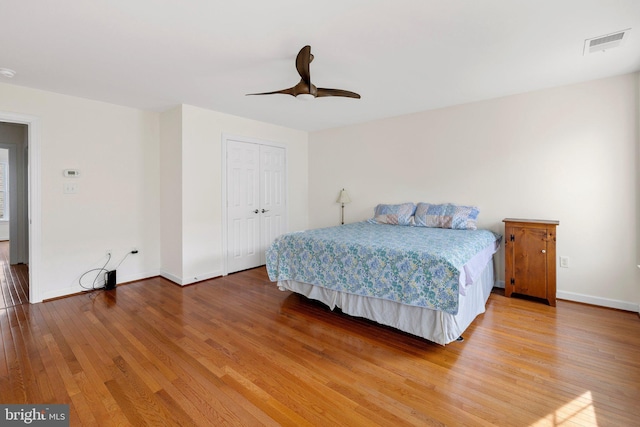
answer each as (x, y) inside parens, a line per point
(237, 351)
(14, 280)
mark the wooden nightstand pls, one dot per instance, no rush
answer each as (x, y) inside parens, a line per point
(530, 258)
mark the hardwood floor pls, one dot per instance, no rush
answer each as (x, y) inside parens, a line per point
(236, 351)
(14, 280)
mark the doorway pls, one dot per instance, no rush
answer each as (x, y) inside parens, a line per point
(255, 174)
(14, 228)
(27, 230)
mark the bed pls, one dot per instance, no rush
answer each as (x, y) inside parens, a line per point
(429, 281)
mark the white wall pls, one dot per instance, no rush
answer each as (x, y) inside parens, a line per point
(117, 203)
(567, 154)
(200, 161)
(171, 194)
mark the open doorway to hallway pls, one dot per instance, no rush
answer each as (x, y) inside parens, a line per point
(14, 222)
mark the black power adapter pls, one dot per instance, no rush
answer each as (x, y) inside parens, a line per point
(110, 280)
(110, 276)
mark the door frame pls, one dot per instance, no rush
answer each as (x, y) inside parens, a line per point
(225, 138)
(33, 190)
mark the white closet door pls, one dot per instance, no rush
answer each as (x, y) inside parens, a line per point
(272, 200)
(243, 206)
(256, 205)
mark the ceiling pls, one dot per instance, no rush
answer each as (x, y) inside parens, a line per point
(402, 56)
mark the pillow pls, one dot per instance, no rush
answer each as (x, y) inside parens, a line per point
(401, 214)
(446, 216)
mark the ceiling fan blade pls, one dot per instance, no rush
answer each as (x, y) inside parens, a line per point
(336, 92)
(303, 60)
(290, 91)
(305, 88)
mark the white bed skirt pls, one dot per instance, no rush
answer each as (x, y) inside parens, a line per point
(436, 326)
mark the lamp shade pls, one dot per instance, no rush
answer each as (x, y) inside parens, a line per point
(344, 197)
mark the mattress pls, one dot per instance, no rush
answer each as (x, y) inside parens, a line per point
(433, 325)
(417, 266)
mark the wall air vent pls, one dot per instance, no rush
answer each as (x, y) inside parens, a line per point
(606, 42)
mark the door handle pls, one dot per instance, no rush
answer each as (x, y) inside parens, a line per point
(256, 211)
(265, 210)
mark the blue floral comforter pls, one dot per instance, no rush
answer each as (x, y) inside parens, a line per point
(412, 265)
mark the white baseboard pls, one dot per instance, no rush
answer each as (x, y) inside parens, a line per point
(603, 302)
(187, 281)
(202, 277)
(77, 289)
(169, 276)
(137, 276)
(58, 293)
(589, 299)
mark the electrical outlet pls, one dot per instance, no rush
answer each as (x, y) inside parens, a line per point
(564, 261)
(70, 188)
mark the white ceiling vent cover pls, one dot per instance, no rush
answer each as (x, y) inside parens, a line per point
(606, 42)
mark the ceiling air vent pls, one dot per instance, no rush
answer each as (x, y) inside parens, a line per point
(606, 42)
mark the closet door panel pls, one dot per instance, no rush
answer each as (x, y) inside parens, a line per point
(243, 206)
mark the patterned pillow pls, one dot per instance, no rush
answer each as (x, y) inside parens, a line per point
(394, 214)
(446, 216)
